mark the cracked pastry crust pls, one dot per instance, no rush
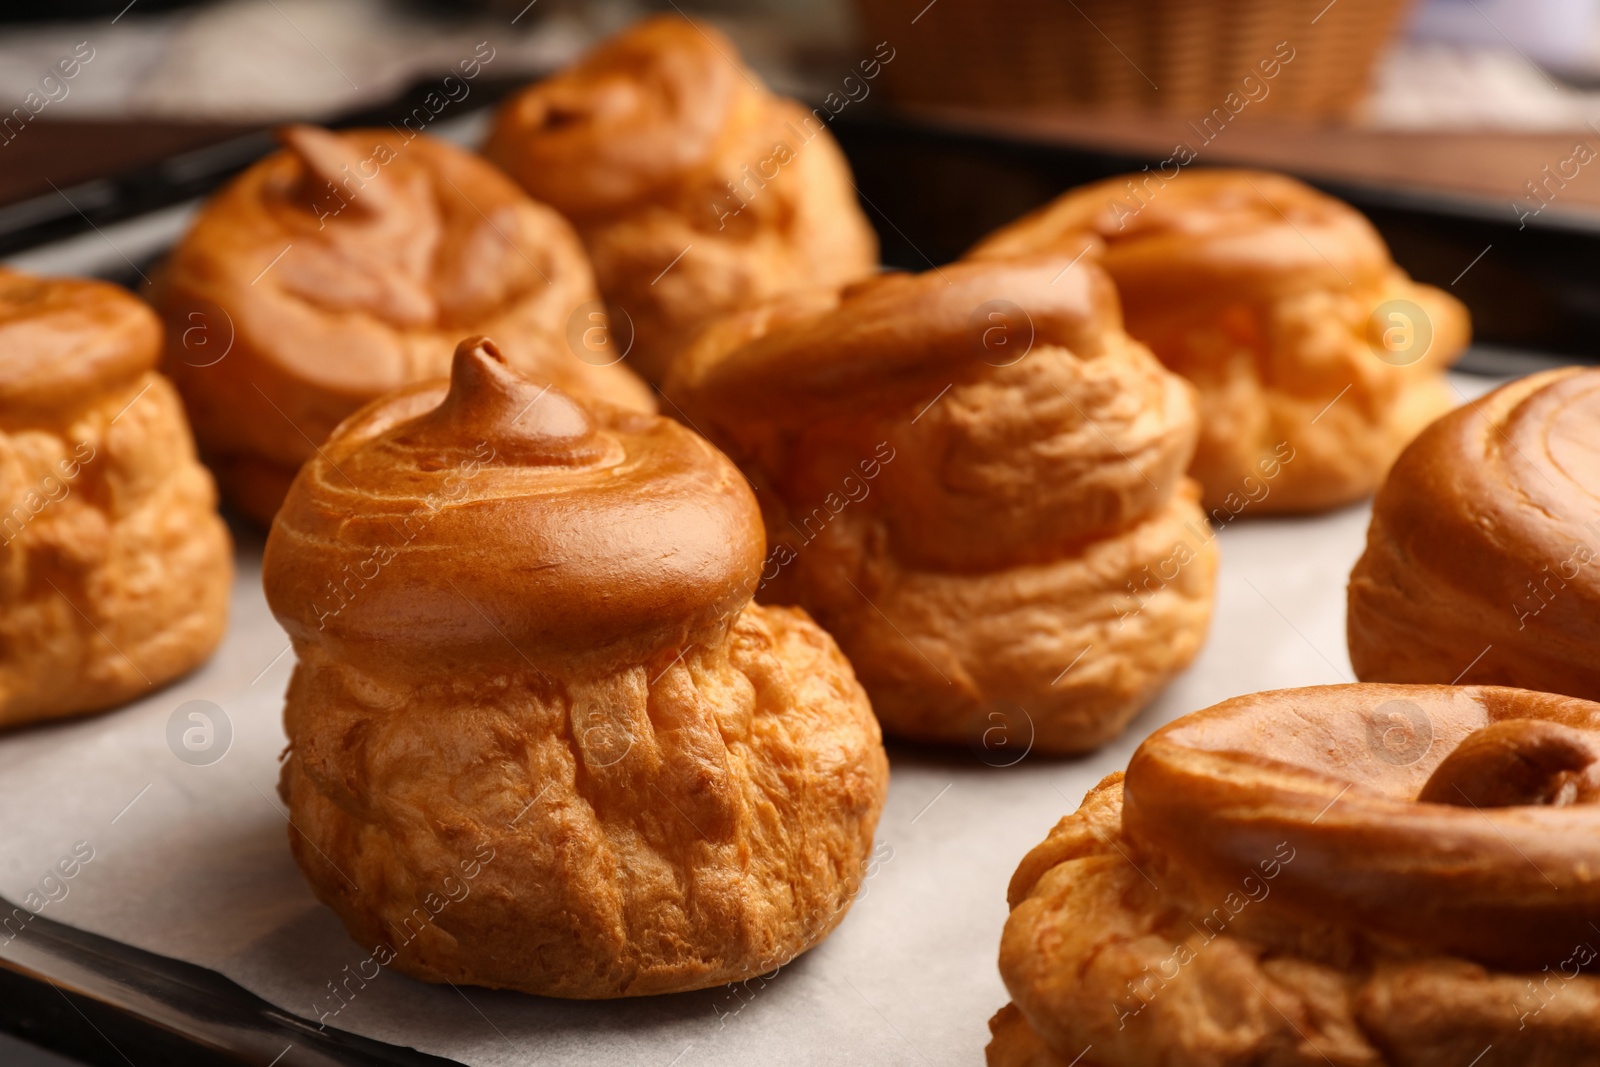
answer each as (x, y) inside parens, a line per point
(1264, 888)
(989, 514)
(696, 191)
(114, 566)
(539, 738)
(1270, 297)
(348, 265)
(1483, 556)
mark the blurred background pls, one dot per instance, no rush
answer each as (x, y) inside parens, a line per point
(1464, 128)
(1427, 71)
(1509, 65)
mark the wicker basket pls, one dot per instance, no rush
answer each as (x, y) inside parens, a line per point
(1174, 56)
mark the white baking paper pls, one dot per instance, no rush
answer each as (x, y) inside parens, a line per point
(191, 861)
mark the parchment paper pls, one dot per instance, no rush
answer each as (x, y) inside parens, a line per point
(191, 861)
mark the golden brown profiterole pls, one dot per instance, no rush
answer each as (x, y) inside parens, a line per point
(347, 265)
(1317, 359)
(114, 566)
(540, 738)
(974, 480)
(1483, 556)
(695, 189)
(1367, 875)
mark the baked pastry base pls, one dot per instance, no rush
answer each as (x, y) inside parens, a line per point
(668, 827)
(119, 581)
(1103, 964)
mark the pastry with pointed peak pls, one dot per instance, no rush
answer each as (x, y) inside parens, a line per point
(347, 265)
(695, 189)
(1316, 358)
(540, 738)
(1373, 875)
(973, 479)
(114, 565)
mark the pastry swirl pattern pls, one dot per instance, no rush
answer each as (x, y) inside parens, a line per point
(1483, 556)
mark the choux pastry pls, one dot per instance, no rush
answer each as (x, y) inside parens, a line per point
(1483, 555)
(115, 568)
(1284, 308)
(348, 265)
(695, 189)
(540, 739)
(1365, 875)
(973, 479)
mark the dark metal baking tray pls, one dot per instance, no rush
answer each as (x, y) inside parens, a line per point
(103, 1002)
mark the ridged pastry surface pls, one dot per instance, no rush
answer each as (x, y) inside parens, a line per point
(1483, 555)
(348, 265)
(531, 684)
(1273, 299)
(1337, 874)
(114, 566)
(971, 505)
(696, 191)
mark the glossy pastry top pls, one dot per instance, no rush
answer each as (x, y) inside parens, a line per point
(330, 253)
(625, 123)
(501, 518)
(897, 332)
(1255, 230)
(65, 340)
(1455, 819)
(1497, 490)
(1024, 422)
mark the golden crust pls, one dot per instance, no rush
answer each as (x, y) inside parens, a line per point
(1183, 914)
(542, 740)
(664, 827)
(969, 516)
(1483, 556)
(391, 250)
(1268, 296)
(459, 471)
(1499, 880)
(951, 656)
(696, 191)
(115, 568)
